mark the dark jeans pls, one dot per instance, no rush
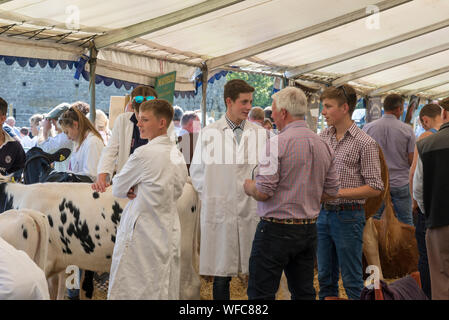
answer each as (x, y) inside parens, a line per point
(340, 240)
(423, 263)
(221, 288)
(282, 247)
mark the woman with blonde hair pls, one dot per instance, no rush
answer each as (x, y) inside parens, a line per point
(88, 142)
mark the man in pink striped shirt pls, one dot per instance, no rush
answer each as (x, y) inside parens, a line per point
(298, 168)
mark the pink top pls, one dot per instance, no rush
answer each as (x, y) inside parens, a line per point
(297, 175)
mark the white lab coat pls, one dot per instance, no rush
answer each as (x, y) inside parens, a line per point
(116, 152)
(145, 261)
(20, 277)
(228, 216)
(84, 161)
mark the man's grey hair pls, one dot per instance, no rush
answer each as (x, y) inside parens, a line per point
(256, 113)
(291, 99)
(188, 115)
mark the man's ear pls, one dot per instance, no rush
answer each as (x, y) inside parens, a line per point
(444, 114)
(163, 123)
(228, 101)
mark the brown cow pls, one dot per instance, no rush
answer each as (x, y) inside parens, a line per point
(388, 243)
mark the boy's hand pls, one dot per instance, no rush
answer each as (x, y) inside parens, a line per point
(131, 195)
(102, 183)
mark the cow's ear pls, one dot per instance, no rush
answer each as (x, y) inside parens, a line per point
(60, 155)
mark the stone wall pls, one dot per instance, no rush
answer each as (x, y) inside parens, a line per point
(38, 90)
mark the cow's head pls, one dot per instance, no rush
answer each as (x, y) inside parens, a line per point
(38, 163)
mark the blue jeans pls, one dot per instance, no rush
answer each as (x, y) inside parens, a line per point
(402, 204)
(282, 247)
(423, 263)
(340, 240)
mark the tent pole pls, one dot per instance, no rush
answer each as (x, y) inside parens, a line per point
(92, 68)
(204, 99)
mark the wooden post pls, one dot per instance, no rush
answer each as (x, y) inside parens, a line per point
(92, 67)
(204, 100)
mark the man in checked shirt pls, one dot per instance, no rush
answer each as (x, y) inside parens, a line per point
(289, 188)
(341, 220)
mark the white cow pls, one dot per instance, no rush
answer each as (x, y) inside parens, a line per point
(82, 225)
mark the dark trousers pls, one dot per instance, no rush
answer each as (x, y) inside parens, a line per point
(423, 263)
(221, 288)
(282, 247)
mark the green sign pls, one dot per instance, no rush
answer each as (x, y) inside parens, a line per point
(165, 86)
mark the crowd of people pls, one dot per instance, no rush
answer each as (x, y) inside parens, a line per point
(275, 196)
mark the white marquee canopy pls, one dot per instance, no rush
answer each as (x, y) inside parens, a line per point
(377, 46)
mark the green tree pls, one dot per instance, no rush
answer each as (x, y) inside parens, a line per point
(263, 86)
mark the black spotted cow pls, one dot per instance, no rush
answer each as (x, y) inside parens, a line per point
(82, 226)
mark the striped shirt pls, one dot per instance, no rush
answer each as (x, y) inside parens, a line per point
(356, 159)
(303, 169)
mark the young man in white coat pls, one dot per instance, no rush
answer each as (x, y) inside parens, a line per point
(145, 261)
(225, 155)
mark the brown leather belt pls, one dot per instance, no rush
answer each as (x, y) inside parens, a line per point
(290, 221)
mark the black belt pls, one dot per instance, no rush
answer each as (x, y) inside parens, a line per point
(342, 207)
(290, 220)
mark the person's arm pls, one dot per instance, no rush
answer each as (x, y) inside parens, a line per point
(251, 190)
(198, 167)
(46, 126)
(129, 177)
(418, 193)
(332, 182)
(111, 151)
(108, 158)
(413, 168)
(363, 192)
(410, 158)
(53, 144)
(267, 181)
(91, 156)
(371, 173)
(18, 159)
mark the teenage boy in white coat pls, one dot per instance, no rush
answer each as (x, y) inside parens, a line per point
(225, 155)
(145, 262)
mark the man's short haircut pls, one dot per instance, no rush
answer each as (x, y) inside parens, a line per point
(81, 106)
(256, 113)
(444, 104)
(161, 109)
(177, 113)
(143, 91)
(393, 101)
(188, 115)
(291, 99)
(233, 88)
(343, 94)
(3, 107)
(430, 110)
